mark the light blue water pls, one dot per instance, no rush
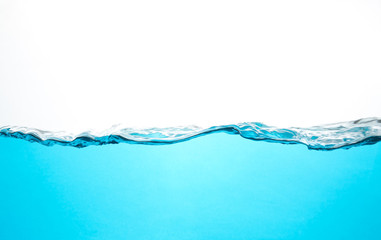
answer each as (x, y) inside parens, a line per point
(218, 186)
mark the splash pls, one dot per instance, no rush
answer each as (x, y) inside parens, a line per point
(325, 137)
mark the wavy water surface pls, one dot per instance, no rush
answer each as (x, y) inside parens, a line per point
(325, 137)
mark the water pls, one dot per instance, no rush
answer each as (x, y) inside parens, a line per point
(217, 186)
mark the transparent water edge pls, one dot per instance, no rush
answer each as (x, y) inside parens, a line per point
(325, 137)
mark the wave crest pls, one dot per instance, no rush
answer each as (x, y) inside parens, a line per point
(325, 137)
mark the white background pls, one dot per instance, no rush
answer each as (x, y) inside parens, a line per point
(79, 64)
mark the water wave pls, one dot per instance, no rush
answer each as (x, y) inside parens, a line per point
(325, 137)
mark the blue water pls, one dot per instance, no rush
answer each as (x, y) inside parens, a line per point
(218, 186)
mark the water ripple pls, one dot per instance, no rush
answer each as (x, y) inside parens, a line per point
(325, 137)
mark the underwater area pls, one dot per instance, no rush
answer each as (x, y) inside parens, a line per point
(216, 186)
